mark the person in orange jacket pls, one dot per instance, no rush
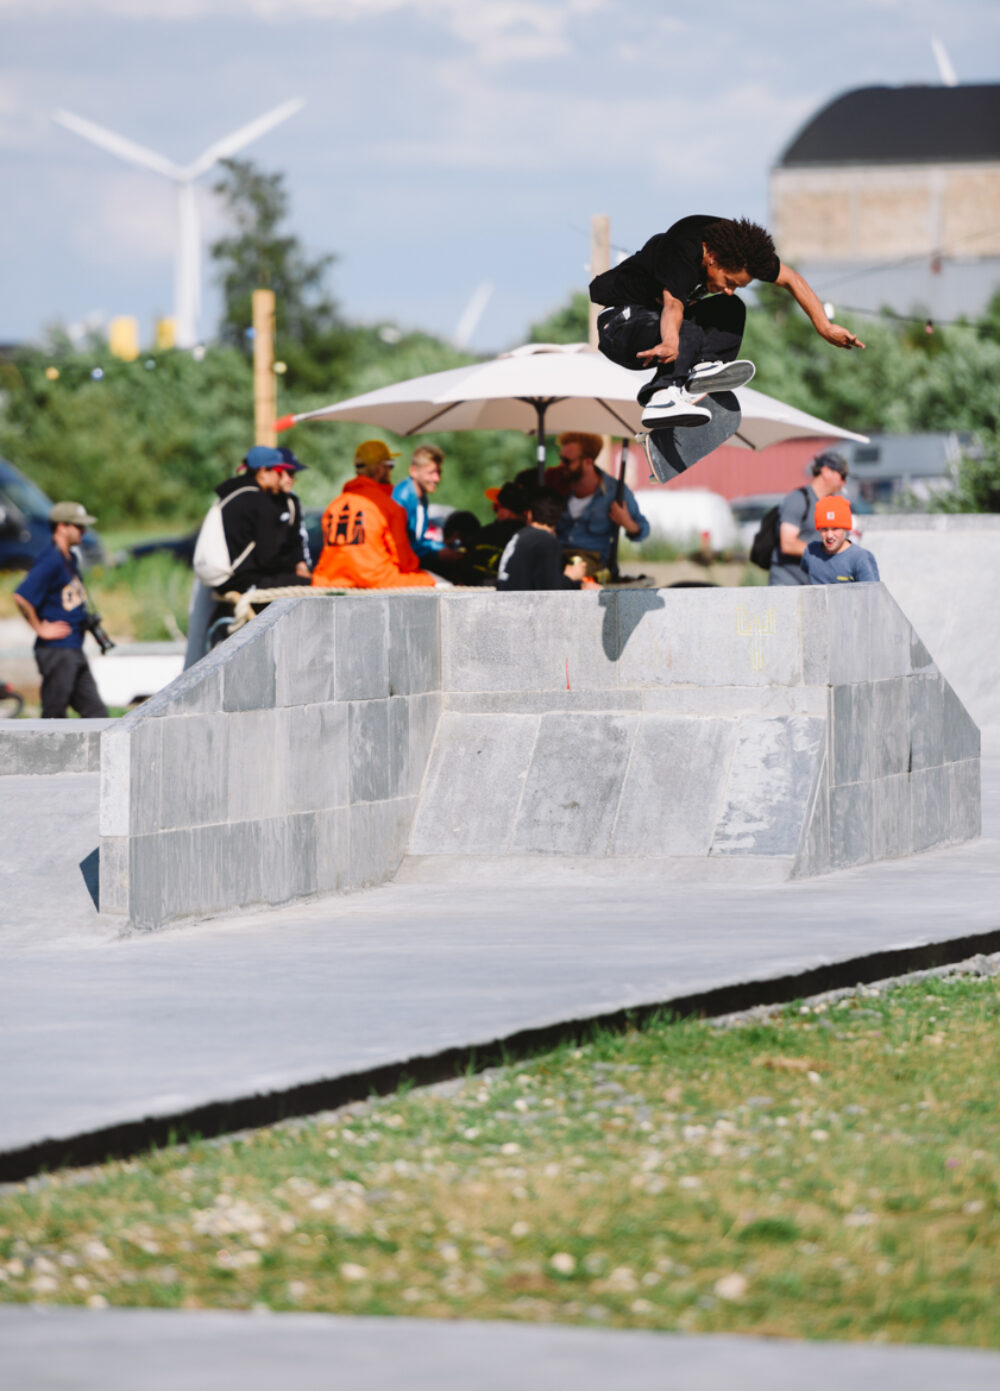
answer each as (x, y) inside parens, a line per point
(365, 545)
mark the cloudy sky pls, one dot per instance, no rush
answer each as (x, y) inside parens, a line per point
(444, 143)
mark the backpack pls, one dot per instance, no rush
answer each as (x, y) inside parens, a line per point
(765, 543)
(212, 562)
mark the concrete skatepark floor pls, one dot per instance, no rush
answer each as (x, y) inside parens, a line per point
(116, 1350)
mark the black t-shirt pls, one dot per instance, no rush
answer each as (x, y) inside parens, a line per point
(533, 559)
(671, 260)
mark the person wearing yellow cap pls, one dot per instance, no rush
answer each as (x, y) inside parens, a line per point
(835, 558)
(365, 545)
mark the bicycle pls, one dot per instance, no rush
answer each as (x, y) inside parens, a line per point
(11, 704)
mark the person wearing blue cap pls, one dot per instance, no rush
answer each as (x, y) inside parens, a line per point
(257, 537)
(294, 554)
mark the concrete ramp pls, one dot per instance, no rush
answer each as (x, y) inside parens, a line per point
(746, 734)
(944, 572)
(336, 742)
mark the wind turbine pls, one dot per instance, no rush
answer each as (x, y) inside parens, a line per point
(187, 266)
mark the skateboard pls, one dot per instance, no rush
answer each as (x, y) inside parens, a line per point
(672, 450)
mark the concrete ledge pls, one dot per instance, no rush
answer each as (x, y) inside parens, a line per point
(39, 747)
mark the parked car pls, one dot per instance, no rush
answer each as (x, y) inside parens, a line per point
(24, 523)
(684, 516)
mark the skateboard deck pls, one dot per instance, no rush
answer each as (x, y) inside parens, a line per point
(672, 450)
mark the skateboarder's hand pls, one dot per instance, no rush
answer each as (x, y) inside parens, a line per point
(842, 337)
(663, 352)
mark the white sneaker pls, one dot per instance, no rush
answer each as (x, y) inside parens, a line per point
(673, 406)
(719, 376)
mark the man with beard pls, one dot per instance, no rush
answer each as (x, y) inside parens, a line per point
(592, 513)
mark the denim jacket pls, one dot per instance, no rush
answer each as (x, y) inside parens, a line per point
(592, 530)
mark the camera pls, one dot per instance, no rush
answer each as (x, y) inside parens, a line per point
(92, 624)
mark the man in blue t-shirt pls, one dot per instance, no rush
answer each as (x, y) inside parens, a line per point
(54, 603)
(834, 558)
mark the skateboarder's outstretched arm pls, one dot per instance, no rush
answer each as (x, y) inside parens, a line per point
(668, 347)
(805, 296)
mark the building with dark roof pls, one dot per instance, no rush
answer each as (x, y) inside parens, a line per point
(891, 196)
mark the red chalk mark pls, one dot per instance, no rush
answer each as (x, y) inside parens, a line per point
(567, 674)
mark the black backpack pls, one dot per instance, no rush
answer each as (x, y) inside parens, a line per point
(765, 543)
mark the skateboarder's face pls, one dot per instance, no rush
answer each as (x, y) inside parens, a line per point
(834, 539)
(718, 280)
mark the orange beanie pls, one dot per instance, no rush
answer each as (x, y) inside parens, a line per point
(833, 512)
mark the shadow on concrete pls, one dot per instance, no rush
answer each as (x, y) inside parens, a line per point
(90, 868)
(623, 615)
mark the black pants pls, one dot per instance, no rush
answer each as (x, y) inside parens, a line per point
(711, 331)
(67, 681)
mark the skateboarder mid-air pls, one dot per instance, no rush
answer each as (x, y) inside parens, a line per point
(671, 306)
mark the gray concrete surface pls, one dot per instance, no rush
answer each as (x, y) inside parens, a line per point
(49, 860)
(123, 1350)
(943, 571)
(776, 732)
(37, 747)
(100, 1033)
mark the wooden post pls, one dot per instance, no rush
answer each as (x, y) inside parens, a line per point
(600, 261)
(265, 386)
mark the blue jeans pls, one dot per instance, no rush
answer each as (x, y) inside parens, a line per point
(711, 331)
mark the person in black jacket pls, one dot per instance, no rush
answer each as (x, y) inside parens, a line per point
(533, 558)
(294, 553)
(256, 535)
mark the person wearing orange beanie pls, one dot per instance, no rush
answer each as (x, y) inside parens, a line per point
(835, 558)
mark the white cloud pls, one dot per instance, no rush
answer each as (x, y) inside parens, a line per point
(498, 31)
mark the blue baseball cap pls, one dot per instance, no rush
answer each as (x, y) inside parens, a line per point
(289, 460)
(262, 456)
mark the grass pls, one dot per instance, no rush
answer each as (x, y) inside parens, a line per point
(140, 600)
(828, 1172)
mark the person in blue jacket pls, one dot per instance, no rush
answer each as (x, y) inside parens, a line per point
(413, 494)
(592, 513)
(835, 558)
(53, 601)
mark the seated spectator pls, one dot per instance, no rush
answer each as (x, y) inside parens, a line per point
(533, 557)
(484, 554)
(256, 535)
(365, 543)
(592, 514)
(294, 554)
(460, 531)
(834, 558)
(413, 494)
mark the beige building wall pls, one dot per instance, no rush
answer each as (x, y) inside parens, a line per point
(876, 212)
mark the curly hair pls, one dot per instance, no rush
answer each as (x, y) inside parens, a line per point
(740, 244)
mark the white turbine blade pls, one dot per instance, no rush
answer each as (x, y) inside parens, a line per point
(229, 144)
(946, 72)
(469, 319)
(118, 145)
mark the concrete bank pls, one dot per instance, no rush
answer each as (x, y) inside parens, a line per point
(944, 572)
(119, 1350)
(736, 734)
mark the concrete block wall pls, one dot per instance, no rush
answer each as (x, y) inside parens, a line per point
(741, 733)
(286, 763)
(725, 733)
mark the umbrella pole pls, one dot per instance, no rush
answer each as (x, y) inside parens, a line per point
(540, 407)
(619, 498)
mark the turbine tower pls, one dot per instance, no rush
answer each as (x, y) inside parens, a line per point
(187, 266)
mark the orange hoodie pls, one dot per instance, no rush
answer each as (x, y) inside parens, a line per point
(365, 545)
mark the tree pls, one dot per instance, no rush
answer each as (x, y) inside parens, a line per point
(310, 334)
(570, 323)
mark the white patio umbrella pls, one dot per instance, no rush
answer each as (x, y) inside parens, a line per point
(546, 388)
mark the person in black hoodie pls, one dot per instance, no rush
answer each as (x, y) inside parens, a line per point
(294, 554)
(256, 535)
(533, 558)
